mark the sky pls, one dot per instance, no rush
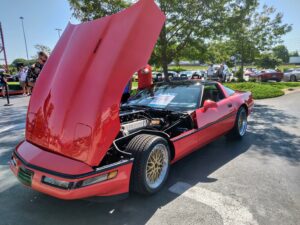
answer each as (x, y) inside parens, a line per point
(42, 17)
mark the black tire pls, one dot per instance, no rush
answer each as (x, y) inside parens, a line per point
(235, 133)
(293, 78)
(141, 147)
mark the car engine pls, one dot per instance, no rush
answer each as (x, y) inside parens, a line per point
(131, 127)
(170, 122)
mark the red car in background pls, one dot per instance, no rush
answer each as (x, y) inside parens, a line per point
(267, 75)
(80, 142)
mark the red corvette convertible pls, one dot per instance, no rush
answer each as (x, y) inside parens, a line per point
(80, 142)
(267, 75)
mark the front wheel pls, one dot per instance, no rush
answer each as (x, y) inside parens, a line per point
(151, 163)
(240, 126)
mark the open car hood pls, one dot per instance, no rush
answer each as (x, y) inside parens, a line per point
(74, 109)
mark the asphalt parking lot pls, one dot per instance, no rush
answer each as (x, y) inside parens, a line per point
(254, 181)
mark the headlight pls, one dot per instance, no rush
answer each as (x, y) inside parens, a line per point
(83, 183)
(56, 183)
(99, 179)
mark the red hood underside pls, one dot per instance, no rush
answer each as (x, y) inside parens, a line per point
(74, 109)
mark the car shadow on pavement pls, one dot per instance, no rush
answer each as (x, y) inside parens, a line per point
(274, 131)
(25, 206)
(136, 209)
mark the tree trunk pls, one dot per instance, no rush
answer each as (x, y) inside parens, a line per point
(242, 67)
(164, 57)
(241, 75)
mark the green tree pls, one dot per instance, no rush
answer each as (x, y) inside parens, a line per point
(281, 52)
(252, 31)
(18, 61)
(189, 23)
(294, 54)
(218, 52)
(26, 62)
(267, 60)
(86, 10)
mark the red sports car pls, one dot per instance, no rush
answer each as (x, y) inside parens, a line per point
(80, 142)
(267, 75)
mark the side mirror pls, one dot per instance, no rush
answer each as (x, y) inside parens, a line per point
(209, 104)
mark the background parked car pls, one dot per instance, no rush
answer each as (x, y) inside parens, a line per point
(14, 87)
(188, 74)
(203, 73)
(292, 75)
(248, 72)
(159, 76)
(229, 74)
(267, 75)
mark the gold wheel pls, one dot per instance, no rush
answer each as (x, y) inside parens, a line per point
(157, 165)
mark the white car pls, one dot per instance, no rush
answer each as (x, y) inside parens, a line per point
(292, 75)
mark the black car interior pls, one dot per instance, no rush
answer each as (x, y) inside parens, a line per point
(212, 92)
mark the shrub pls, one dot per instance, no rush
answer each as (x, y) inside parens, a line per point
(262, 90)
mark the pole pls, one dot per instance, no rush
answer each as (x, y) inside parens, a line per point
(3, 48)
(7, 96)
(235, 65)
(22, 18)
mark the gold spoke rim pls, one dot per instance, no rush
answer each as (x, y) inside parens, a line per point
(156, 166)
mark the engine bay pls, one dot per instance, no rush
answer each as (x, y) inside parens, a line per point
(134, 120)
(170, 122)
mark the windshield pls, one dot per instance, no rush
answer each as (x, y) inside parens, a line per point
(174, 97)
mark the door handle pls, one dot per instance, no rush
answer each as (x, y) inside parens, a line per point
(229, 105)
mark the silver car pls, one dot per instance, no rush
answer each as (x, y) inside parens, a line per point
(292, 75)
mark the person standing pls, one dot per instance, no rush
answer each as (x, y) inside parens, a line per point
(210, 72)
(145, 77)
(224, 72)
(22, 75)
(127, 91)
(3, 82)
(35, 70)
(220, 72)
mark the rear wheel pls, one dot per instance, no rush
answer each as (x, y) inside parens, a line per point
(293, 78)
(240, 126)
(151, 163)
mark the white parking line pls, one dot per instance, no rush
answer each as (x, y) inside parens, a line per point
(231, 211)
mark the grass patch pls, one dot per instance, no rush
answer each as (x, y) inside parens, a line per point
(14, 86)
(13, 83)
(263, 90)
(281, 67)
(134, 85)
(184, 68)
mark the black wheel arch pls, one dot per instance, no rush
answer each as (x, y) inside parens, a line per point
(164, 135)
(246, 107)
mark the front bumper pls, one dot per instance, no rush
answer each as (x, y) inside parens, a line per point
(31, 165)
